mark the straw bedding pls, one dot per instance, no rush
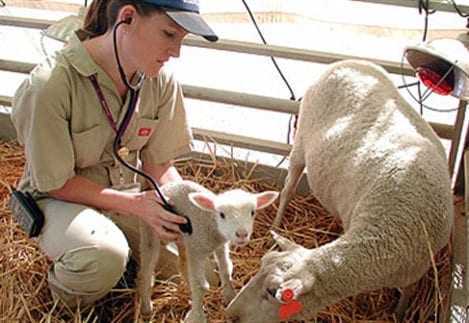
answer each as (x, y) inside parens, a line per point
(25, 297)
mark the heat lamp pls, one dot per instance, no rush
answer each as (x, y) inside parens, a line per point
(442, 65)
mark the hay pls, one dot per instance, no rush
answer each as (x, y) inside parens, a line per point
(23, 268)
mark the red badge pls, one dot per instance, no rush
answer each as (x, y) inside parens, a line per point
(144, 132)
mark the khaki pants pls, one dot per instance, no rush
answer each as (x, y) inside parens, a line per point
(89, 250)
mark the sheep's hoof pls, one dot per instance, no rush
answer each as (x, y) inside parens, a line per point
(146, 311)
(205, 285)
(195, 317)
(407, 293)
(146, 318)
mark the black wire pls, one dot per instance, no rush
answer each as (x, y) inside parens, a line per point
(125, 121)
(134, 92)
(408, 85)
(274, 61)
(419, 91)
(462, 14)
(253, 19)
(424, 6)
(119, 66)
(2, 3)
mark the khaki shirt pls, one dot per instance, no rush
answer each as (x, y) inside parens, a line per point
(65, 132)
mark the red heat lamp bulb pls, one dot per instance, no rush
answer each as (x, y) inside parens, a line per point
(431, 78)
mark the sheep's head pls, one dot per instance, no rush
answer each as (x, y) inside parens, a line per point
(261, 300)
(234, 211)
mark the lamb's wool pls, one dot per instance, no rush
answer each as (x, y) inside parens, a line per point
(373, 161)
(228, 217)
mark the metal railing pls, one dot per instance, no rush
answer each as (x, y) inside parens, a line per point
(451, 132)
(231, 97)
(438, 5)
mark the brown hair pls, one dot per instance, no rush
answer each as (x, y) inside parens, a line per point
(102, 14)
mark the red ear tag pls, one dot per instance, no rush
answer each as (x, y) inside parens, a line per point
(287, 295)
(289, 309)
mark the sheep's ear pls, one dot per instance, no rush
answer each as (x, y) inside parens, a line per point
(265, 199)
(284, 243)
(203, 201)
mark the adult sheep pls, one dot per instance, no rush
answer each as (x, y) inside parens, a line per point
(373, 161)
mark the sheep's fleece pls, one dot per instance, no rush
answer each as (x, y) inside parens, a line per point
(373, 161)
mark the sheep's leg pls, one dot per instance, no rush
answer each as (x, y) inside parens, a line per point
(149, 252)
(291, 182)
(182, 261)
(225, 267)
(198, 285)
(407, 293)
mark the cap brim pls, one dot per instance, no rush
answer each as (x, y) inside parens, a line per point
(193, 23)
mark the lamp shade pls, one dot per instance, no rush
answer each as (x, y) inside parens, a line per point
(439, 55)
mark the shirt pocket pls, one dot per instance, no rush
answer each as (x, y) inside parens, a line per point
(89, 145)
(141, 133)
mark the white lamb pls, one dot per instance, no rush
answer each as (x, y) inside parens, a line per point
(216, 220)
(372, 160)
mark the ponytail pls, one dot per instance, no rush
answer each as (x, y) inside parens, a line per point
(96, 20)
(102, 14)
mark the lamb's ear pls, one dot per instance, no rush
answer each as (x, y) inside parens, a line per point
(265, 199)
(203, 201)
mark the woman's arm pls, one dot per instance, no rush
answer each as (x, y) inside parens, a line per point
(143, 205)
(81, 190)
(163, 173)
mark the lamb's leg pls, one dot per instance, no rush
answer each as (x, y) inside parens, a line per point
(182, 262)
(291, 182)
(149, 252)
(198, 285)
(225, 267)
(407, 293)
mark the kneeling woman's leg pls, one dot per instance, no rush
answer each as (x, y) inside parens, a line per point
(88, 250)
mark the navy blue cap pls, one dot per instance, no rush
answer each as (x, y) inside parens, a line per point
(186, 13)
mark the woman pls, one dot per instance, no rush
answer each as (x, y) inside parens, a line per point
(67, 117)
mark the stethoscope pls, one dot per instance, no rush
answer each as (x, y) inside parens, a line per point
(134, 89)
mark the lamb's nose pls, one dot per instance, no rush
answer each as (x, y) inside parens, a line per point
(242, 234)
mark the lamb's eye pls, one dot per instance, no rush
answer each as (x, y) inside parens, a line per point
(253, 212)
(222, 215)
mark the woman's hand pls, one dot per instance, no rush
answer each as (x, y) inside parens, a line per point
(165, 225)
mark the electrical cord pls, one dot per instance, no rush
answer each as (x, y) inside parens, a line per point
(424, 5)
(2, 3)
(419, 91)
(274, 61)
(459, 11)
